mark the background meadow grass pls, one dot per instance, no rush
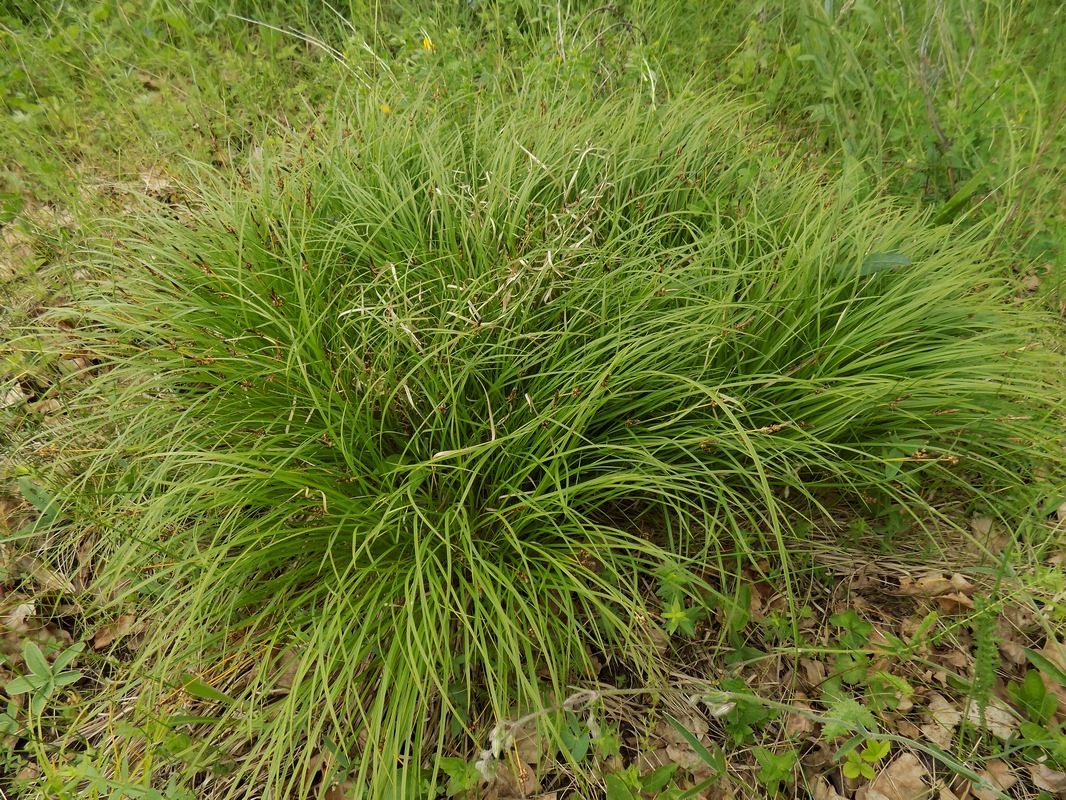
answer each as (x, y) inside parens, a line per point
(492, 347)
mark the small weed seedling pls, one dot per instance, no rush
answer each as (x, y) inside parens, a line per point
(43, 680)
(775, 769)
(860, 763)
(677, 615)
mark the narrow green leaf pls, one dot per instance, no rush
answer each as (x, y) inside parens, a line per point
(876, 262)
(696, 790)
(715, 761)
(67, 656)
(66, 678)
(199, 688)
(951, 209)
(176, 720)
(849, 745)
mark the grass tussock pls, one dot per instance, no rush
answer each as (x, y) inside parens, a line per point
(398, 423)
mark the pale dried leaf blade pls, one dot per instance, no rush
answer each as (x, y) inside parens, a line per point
(47, 579)
(15, 619)
(12, 397)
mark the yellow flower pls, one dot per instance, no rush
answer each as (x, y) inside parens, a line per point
(385, 108)
(427, 44)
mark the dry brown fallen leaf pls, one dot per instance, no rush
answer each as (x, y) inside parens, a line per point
(1048, 779)
(954, 603)
(684, 756)
(931, 584)
(1000, 775)
(981, 527)
(903, 779)
(114, 631)
(1013, 652)
(813, 672)
(513, 779)
(799, 725)
(998, 719)
(339, 791)
(823, 790)
(16, 252)
(941, 719)
(649, 760)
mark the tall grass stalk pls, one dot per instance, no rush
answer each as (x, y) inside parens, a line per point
(400, 422)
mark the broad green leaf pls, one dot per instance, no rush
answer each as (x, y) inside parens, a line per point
(41, 499)
(576, 743)
(858, 769)
(657, 779)
(38, 702)
(35, 660)
(1046, 666)
(26, 683)
(876, 749)
(617, 789)
(462, 775)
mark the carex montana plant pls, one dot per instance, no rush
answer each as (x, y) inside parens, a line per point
(403, 420)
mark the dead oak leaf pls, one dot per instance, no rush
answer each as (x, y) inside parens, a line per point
(903, 779)
(954, 603)
(932, 584)
(1048, 779)
(997, 718)
(799, 725)
(1000, 778)
(942, 717)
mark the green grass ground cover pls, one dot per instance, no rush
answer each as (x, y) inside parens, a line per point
(445, 399)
